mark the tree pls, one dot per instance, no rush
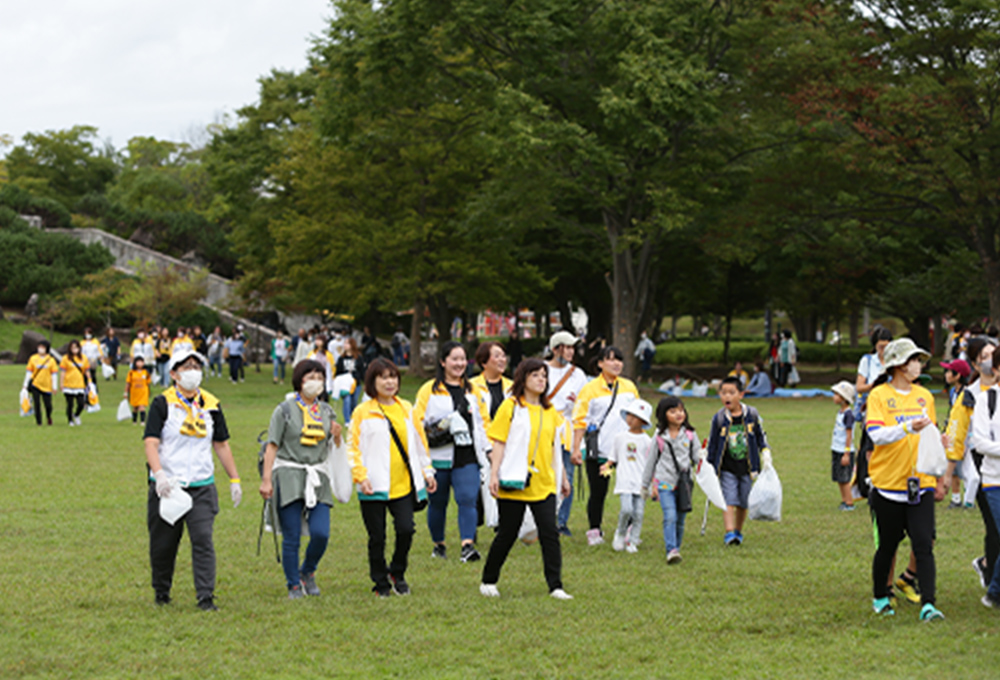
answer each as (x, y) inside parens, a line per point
(160, 295)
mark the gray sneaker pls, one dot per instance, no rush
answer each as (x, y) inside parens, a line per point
(309, 584)
(296, 593)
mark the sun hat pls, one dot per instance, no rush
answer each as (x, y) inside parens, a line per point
(183, 355)
(845, 390)
(898, 352)
(641, 409)
(562, 338)
(960, 366)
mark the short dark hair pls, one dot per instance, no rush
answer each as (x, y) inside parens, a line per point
(378, 367)
(524, 369)
(732, 380)
(880, 333)
(611, 352)
(484, 350)
(303, 367)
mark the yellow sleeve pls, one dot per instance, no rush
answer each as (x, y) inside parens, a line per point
(420, 408)
(500, 427)
(359, 472)
(484, 412)
(629, 387)
(876, 414)
(582, 406)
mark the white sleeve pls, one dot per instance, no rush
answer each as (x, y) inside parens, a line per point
(982, 427)
(887, 435)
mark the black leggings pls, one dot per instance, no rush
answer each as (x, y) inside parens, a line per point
(511, 516)
(39, 397)
(892, 520)
(373, 514)
(71, 401)
(598, 492)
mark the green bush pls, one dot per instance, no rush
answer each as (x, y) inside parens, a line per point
(710, 352)
(52, 212)
(818, 353)
(207, 318)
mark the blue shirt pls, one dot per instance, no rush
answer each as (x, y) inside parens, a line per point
(841, 426)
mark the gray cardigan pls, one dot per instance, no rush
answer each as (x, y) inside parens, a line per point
(660, 465)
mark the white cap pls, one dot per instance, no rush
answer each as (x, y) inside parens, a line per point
(845, 390)
(563, 338)
(898, 352)
(183, 355)
(641, 409)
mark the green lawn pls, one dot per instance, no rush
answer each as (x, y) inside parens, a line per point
(10, 335)
(793, 602)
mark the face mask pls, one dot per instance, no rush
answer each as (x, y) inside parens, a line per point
(42, 351)
(912, 370)
(190, 380)
(986, 366)
(312, 388)
(88, 335)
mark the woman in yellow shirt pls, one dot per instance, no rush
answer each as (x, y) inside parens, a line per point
(137, 389)
(526, 472)
(41, 380)
(75, 376)
(902, 499)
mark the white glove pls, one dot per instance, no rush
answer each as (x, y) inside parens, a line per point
(162, 483)
(27, 380)
(765, 459)
(236, 493)
(55, 383)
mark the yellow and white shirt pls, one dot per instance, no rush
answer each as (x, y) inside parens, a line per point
(533, 438)
(374, 455)
(42, 367)
(894, 458)
(594, 401)
(74, 374)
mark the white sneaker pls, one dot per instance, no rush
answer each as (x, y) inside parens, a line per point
(77, 420)
(490, 590)
(594, 537)
(560, 594)
(72, 423)
(631, 548)
(618, 542)
(674, 556)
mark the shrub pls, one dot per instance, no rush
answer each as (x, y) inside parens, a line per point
(710, 352)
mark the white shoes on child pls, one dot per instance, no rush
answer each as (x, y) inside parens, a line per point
(488, 590)
(594, 537)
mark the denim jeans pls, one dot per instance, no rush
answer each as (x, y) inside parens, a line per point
(215, 365)
(350, 402)
(290, 517)
(673, 521)
(465, 481)
(567, 503)
(993, 499)
(279, 365)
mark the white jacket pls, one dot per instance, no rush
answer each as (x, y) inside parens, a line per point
(370, 447)
(434, 405)
(984, 437)
(519, 445)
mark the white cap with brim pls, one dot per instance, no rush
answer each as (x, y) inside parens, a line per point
(641, 409)
(899, 351)
(185, 354)
(846, 390)
(563, 338)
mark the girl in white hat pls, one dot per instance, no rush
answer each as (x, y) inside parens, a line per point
(842, 442)
(628, 455)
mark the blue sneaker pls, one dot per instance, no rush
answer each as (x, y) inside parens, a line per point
(930, 613)
(883, 607)
(732, 538)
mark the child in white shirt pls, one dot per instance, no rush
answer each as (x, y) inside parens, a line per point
(628, 457)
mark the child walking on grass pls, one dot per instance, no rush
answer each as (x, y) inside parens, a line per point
(674, 449)
(628, 456)
(842, 444)
(137, 390)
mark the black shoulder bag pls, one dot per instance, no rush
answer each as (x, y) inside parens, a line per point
(591, 436)
(418, 504)
(684, 485)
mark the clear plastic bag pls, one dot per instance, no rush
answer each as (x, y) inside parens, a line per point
(765, 496)
(931, 459)
(124, 410)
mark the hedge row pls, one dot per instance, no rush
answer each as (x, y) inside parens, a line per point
(711, 351)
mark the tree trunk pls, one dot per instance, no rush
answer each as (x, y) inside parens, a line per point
(854, 327)
(630, 288)
(417, 368)
(939, 332)
(566, 316)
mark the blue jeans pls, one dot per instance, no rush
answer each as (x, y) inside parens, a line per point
(673, 521)
(215, 364)
(465, 481)
(398, 355)
(350, 402)
(290, 517)
(567, 504)
(277, 363)
(993, 500)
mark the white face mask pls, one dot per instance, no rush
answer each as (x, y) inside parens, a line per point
(912, 370)
(312, 388)
(189, 380)
(986, 366)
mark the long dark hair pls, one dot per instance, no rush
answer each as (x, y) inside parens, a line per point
(974, 349)
(447, 349)
(524, 369)
(666, 404)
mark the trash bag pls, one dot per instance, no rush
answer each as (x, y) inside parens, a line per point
(124, 410)
(27, 408)
(765, 496)
(338, 467)
(699, 389)
(708, 481)
(93, 401)
(931, 459)
(491, 511)
(107, 371)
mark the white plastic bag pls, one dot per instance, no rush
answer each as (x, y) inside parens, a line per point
(931, 459)
(699, 389)
(176, 505)
(491, 511)
(154, 377)
(338, 467)
(27, 408)
(793, 377)
(765, 496)
(709, 483)
(107, 371)
(124, 410)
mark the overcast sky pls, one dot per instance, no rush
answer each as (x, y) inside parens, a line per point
(143, 67)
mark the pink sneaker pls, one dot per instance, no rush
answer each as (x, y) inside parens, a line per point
(594, 537)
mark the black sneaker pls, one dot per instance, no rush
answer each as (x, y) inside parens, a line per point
(162, 599)
(207, 604)
(382, 592)
(564, 531)
(399, 585)
(439, 551)
(469, 553)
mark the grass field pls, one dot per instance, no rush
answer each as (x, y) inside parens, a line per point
(793, 602)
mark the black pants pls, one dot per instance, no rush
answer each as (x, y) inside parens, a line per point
(74, 405)
(893, 520)
(598, 492)
(235, 367)
(373, 514)
(511, 516)
(39, 398)
(991, 540)
(164, 540)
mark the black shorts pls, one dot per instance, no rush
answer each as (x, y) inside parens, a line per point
(841, 473)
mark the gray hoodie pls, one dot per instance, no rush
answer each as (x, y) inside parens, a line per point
(660, 464)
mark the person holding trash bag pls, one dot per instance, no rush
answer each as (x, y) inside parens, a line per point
(902, 499)
(596, 420)
(527, 472)
(392, 471)
(41, 380)
(75, 376)
(185, 425)
(295, 475)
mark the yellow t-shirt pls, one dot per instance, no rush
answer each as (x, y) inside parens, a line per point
(891, 464)
(74, 379)
(43, 368)
(399, 476)
(138, 387)
(543, 476)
